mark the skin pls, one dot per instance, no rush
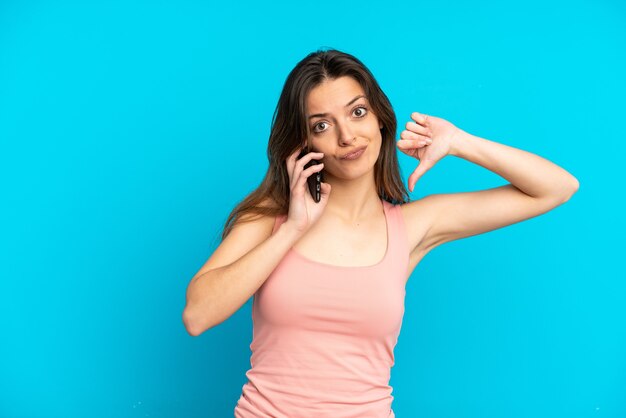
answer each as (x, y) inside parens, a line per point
(352, 214)
(353, 198)
(347, 227)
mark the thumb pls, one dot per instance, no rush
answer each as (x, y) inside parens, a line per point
(325, 190)
(423, 167)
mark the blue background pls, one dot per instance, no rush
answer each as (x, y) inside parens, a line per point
(130, 129)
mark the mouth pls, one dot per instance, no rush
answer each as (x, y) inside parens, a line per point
(354, 154)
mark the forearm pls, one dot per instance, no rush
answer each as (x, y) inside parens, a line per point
(215, 295)
(529, 172)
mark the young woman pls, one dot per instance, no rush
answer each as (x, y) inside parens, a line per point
(328, 277)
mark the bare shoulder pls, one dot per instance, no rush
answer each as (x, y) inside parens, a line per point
(247, 232)
(267, 202)
(258, 225)
(418, 217)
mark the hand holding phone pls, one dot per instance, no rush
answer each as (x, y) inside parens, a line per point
(315, 180)
(304, 211)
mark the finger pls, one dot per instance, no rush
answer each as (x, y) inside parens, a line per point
(325, 189)
(419, 129)
(324, 192)
(423, 167)
(409, 144)
(296, 151)
(294, 164)
(312, 169)
(416, 137)
(308, 157)
(291, 162)
(411, 153)
(420, 118)
(306, 173)
(299, 164)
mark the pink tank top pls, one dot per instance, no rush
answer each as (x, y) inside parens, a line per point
(324, 335)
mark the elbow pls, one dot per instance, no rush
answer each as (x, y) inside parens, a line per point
(194, 324)
(572, 189)
(190, 323)
(567, 191)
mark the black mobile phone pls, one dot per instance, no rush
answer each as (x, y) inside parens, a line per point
(314, 180)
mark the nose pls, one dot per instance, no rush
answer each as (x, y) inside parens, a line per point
(346, 137)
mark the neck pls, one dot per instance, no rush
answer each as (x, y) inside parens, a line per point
(354, 200)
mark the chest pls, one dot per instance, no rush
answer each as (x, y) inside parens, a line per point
(334, 243)
(324, 294)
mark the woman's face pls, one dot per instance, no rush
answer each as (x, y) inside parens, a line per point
(347, 125)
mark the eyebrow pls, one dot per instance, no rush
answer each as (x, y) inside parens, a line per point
(348, 104)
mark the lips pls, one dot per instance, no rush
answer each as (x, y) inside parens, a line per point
(353, 152)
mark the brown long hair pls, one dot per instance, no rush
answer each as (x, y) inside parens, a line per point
(289, 129)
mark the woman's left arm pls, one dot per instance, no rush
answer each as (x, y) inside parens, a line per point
(530, 173)
(536, 184)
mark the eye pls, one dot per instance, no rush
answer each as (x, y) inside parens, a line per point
(363, 111)
(360, 107)
(321, 123)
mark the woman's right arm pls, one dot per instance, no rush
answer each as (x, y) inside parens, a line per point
(249, 253)
(222, 286)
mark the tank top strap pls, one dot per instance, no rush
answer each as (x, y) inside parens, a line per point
(398, 240)
(397, 234)
(278, 221)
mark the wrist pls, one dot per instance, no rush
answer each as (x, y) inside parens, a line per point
(292, 232)
(459, 141)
